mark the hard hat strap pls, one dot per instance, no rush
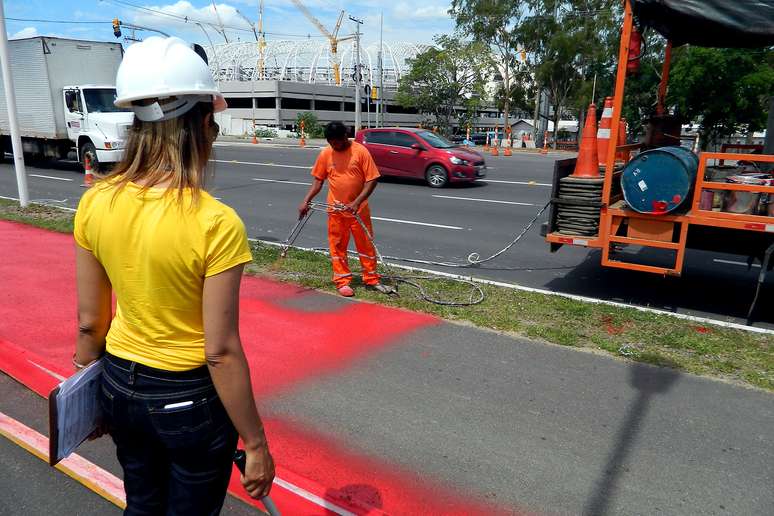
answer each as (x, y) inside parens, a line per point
(157, 112)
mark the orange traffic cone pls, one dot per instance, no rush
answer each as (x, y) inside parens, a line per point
(587, 164)
(544, 150)
(302, 141)
(255, 139)
(603, 133)
(622, 156)
(88, 176)
(486, 145)
(494, 151)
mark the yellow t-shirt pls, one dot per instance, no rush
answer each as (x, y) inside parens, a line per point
(157, 255)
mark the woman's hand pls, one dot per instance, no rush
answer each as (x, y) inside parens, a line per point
(259, 472)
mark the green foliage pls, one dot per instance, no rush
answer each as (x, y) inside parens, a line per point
(495, 24)
(312, 127)
(572, 50)
(726, 90)
(265, 132)
(443, 77)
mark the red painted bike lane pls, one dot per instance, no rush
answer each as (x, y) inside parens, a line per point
(318, 473)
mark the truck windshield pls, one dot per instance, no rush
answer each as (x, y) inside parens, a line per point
(100, 100)
(439, 142)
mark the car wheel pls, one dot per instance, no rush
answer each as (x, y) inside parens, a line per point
(436, 176)
(89, 150)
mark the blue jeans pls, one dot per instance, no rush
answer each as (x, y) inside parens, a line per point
(176, 459)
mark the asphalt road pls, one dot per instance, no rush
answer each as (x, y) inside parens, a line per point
(265, 184)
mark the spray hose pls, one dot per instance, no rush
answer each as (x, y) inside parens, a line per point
(476, 295)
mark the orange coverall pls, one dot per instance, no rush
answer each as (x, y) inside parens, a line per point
(347, 172)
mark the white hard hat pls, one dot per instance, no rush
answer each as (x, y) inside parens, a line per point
(159, 68)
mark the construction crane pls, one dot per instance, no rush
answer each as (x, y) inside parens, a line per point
(260, 39)
(333, 37)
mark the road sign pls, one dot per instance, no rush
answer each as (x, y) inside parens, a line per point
(367, 89)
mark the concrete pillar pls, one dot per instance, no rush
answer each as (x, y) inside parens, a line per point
(277, 105)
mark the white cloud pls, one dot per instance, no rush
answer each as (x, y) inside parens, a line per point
(429, 11)
(26, 32)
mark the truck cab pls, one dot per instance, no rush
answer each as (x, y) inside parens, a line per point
(95, 126)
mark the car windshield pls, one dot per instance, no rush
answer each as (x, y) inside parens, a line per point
(439, 142)
(100, 100)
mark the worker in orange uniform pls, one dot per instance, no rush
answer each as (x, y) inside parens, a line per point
(352, 176)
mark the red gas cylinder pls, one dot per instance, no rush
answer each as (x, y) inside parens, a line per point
(635, 52)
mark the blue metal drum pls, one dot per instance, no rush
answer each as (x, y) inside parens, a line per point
(658, 181)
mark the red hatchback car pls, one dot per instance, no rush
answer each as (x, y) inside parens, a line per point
(422, 154)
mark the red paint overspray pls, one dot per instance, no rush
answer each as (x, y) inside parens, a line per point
(284, 347)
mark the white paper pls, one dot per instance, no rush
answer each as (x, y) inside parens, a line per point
(79, 412)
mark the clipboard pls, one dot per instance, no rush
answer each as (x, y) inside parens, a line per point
(74, 411)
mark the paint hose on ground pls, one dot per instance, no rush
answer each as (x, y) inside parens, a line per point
(473, 260)
(475, 296)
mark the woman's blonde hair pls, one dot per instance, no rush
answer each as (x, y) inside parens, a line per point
(175, 150)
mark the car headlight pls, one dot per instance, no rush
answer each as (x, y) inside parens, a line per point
(458, 161)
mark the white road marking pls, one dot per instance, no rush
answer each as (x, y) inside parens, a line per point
(399, 221)
(528, 183)
(305, 167)
(303, 493)
(52, 373)
(51, 177)
(731, 262)
(483, 200)
(281, 181)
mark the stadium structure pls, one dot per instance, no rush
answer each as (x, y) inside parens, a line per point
(309, 61)
(298, 76)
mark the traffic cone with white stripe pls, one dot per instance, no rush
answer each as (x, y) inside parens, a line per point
(587, 164)
(88, 176)
(603, 133)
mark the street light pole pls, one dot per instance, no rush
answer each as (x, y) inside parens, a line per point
(358, 75)
(13, 124)
(380, 106)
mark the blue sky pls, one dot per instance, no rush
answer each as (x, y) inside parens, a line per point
(403, 19)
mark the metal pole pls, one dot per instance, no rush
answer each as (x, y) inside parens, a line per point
(380, 106)
(10, 101)
(358, 114)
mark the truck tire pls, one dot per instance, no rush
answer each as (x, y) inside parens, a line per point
(436, 176)
(88, 149)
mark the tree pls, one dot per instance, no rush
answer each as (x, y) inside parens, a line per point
(494, 23)
(312, 127)
(572, 45)
(444, 78)
(725, 90)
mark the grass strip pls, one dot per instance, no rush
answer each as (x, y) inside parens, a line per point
(627, 333)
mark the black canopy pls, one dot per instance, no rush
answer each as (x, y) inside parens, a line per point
(710, 23)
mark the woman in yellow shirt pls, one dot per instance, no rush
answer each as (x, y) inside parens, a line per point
(176, 387)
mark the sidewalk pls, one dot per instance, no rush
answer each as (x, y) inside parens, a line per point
(381, 411)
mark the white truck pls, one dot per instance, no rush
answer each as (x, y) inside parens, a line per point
(64, 99)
